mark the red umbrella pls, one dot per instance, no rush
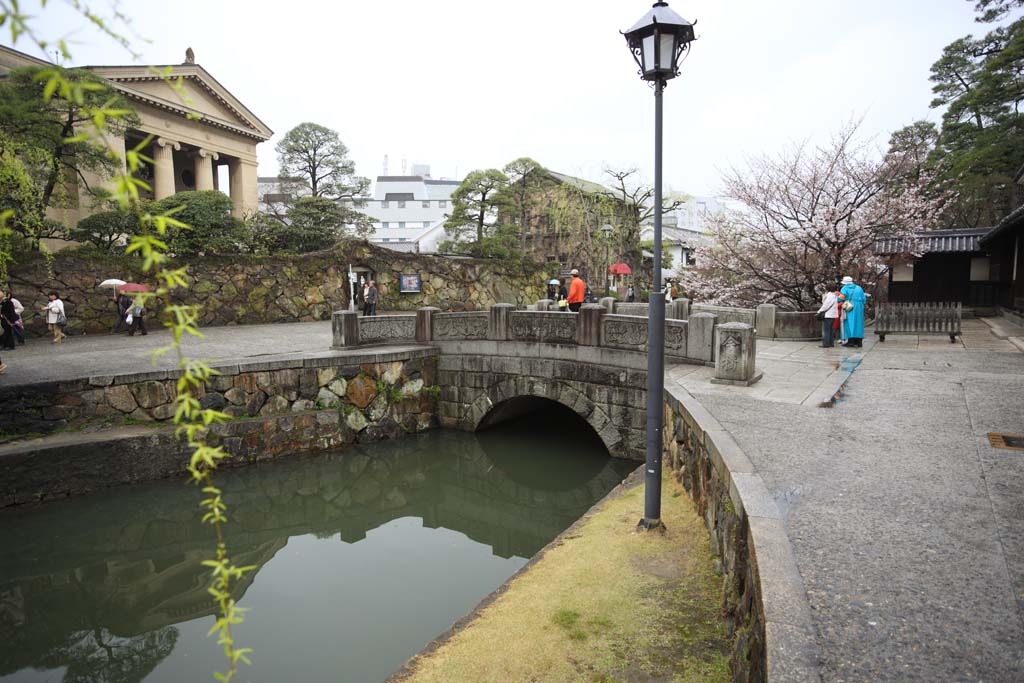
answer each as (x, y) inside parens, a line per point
(130, 287)
(619, 269)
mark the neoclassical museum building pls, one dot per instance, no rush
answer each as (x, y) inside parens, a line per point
(193, 136)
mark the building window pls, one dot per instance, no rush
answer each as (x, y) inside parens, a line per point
(385, 225)
(426, 224)
(442, 204)
(979, 269)
(903, 272)
(426, 205)
(385, 204)
(401, 205)
(401, 225)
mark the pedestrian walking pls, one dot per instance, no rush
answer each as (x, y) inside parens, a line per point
(19, 323)
(631, 294)
(563, 297)
(123, 302)
(56, 319)
(828, 314)
(366, 291)
(852, 300)
(7, 318)
(136, 319)
(371, 299)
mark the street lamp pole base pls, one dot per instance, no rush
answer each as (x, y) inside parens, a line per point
(651, 525)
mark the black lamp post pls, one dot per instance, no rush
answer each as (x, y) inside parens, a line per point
(607, 229)
(657, 42)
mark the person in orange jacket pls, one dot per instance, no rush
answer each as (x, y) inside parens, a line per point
(577, 291)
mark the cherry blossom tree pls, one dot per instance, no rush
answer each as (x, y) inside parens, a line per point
(809, 216)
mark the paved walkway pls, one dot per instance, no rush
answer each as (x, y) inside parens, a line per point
(39, 360)
(908, 526)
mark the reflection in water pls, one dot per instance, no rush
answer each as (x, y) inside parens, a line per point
(110, 587)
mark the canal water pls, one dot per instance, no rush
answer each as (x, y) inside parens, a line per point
(363, 557)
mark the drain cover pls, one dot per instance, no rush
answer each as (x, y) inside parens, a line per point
(1012, 442)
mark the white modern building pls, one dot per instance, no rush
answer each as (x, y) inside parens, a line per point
(685, 229)
(273, 192)
(408, 212)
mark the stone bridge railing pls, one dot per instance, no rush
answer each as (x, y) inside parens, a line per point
(691, 341)
(766, 319)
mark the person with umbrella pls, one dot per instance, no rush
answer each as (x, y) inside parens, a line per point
(120, 302)
(135, 312)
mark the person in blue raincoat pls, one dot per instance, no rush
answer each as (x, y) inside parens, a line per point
(852, 300)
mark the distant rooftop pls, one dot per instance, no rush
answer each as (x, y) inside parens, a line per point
(934, 242)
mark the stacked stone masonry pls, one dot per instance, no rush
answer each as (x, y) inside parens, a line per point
(246, 289)
(374, 399)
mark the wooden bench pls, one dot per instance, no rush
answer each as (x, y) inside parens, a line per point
(918, 318)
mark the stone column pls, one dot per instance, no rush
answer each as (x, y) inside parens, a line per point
(498, 322)
(766, 321)
(736, 353)
(608, 302)
(243, 187)
(345, 325)
(588, 325)
(700, 336)
(425, 323)
(204, 169)
(679, 309)
(163, 167)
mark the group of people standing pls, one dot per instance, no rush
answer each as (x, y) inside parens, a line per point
(570, 298)
(842, 314)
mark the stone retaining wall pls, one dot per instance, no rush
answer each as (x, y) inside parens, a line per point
(766, 607)
(247, 289)
(381, 393)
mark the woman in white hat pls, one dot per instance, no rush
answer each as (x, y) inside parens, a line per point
(852, 300)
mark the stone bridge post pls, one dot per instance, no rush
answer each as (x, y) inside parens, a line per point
(498, 321)
(425, 324)
(679, 309)
(545, 305)
(766, 321)
(608, 302)
(701, 332)
(735, 355)
(588, 325)
(345, 326)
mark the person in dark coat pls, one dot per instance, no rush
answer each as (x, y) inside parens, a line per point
(123, 303)
(8, 316)
(371, 299)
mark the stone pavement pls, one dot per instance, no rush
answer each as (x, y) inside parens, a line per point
(39, 360)
(907, 526)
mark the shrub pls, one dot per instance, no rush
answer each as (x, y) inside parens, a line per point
(105, 230)
(214, 229)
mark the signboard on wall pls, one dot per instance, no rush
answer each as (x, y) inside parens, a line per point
(410, 283)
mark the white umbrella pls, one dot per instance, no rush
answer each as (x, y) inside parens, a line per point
(112, 282)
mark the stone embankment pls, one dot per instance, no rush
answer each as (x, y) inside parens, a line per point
(246, 289)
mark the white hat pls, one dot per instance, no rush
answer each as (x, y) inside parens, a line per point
(574, 271)
(847, 280)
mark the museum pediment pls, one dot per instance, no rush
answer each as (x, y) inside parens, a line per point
(200, 95)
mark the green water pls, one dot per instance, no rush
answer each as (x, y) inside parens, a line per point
(363, 558)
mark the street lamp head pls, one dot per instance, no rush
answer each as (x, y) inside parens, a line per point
(657, 42)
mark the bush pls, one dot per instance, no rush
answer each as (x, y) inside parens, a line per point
(213, 229)
(105, 230)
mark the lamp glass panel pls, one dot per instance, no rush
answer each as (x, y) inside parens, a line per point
(647, 54)
(666, 51)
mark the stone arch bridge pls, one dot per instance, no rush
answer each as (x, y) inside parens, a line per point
(502, 363)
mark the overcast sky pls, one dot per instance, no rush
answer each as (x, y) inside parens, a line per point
(465, 84)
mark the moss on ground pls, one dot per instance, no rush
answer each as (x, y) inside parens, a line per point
(606, 604)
